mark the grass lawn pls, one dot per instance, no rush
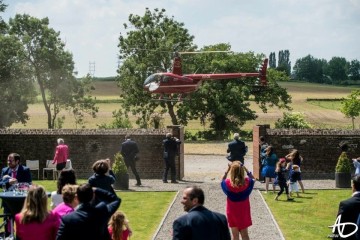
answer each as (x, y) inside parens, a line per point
(144, 210)
(307, 217)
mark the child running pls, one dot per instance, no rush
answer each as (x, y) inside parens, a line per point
(294, 177)
(281, 179)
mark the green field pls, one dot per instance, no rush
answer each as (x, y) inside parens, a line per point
(319, 114)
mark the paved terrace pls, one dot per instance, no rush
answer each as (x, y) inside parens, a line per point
(206, 171)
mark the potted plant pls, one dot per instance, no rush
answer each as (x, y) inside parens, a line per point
(121, 173)
(343, 171)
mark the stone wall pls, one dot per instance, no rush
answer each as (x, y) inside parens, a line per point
(88, 145)
(319, 147)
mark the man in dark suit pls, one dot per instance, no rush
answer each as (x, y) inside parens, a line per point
(236, 149)
(170, 144)
(10, 175)
(14, 172)
(199, 223)
(348, 214)
(129, 149)
(89, 221)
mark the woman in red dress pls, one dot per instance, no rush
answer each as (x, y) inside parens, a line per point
(237, 188)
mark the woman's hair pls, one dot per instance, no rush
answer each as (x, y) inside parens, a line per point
(237, 174)
(68, 193)
(67, 176)
(101, 167)
(35, 205)
(295, 157)
(269, 150)
(60, 141)
(117, 224)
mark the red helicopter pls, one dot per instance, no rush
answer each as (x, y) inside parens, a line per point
(176, 83)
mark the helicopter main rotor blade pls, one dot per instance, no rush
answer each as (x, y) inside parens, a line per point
(199, 52)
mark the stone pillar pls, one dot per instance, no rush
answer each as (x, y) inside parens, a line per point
(258, 130)
(178, 132)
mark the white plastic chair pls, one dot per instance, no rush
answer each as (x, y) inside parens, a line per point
(50, 167)
(33, 165)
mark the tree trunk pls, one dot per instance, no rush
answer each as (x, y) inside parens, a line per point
(170, 107)
(43, 96)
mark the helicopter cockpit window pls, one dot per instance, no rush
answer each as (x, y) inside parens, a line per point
(166, 78)
(153, 78)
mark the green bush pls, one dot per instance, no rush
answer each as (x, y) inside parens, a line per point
(293, 120)
(119, 165)
(343, 165)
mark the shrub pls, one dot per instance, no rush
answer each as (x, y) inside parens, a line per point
(119, 166)
(343, 165)
(292, 120)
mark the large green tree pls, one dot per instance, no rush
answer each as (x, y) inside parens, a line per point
(2, 22)
(52, 68)
(353, 70)
(284, 63)
(147, 48)
(337, 69)
(311, 69)
(15, 82)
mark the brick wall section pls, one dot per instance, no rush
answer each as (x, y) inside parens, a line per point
(319, 147)
(88, 145)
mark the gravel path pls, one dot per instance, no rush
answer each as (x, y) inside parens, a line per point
(206, 171)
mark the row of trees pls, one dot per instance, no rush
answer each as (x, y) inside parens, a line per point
(336, 71)
(32, 52)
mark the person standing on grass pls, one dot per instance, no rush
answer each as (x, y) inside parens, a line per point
(129, 150)
(61, 155)
(268, 170)
(100, 179)
(281, 179)
(199, 222)
(295, 159)
(236, 149)
(237, 187)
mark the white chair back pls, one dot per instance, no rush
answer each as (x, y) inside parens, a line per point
(50, 164)
(32, 164)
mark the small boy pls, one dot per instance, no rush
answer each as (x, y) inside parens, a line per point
(294, 176)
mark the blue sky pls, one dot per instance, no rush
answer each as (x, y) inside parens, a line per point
(91, 28)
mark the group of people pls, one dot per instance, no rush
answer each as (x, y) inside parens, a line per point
(129, 150)
(284, 172)
(86, 211)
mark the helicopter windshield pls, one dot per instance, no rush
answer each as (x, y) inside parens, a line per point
(156, 77)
